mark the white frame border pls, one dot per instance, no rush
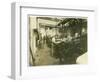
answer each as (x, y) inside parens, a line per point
(16, 33)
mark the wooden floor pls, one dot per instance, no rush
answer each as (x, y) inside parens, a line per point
(44, 56)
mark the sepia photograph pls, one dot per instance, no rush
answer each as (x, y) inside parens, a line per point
(56, 40)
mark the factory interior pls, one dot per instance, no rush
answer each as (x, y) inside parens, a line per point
(57, 40)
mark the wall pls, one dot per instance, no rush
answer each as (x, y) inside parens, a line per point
(5, 38)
